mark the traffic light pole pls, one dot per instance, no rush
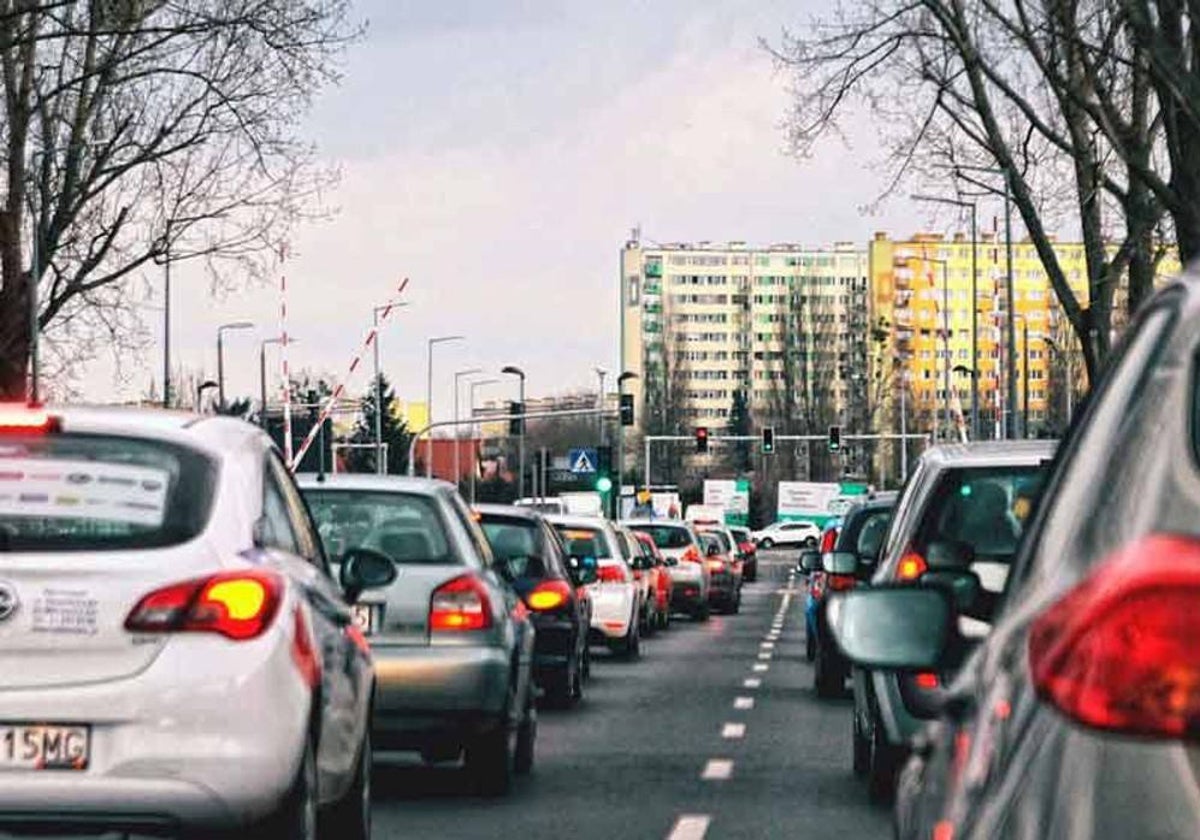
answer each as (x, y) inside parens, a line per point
(649, 439)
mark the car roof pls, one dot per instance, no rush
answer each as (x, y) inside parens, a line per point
(510, 511)
(375, 483)
(658, 523)
(214, 434)
(576, 521)
(989, 453)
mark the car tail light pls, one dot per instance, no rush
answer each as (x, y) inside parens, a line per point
(716, 565)
(549, 595)
(911, 566)
(460, 604)
(828, 541)
(237, 605)
(612, 573)
(20, 418)
(1119, 651)
(692, 555)
(840, 583)
(926, 680)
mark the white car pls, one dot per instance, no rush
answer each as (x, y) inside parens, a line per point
(616, 595)
(805, 534)
(691, 579)
(174, 654)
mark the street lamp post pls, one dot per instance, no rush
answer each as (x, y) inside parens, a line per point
(601, 372)
(974, 208)
(457, 436)
(475, 386)
(235, 325)
(429, 396)
(512, 370)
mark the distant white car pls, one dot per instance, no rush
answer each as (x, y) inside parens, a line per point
(787, 533)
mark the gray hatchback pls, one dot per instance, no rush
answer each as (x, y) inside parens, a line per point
(453, 647)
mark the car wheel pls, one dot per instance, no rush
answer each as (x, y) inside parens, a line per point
(633, 644)
(885, 765)
(861, 749)
(735, 603)
(526, 737)
(702, 613)
(587, 662)
(810, 647)
(826, 680)
(489, 760)
(296, 816)
(350, 817)
(577, 683)
(767, 543)
(560, 687)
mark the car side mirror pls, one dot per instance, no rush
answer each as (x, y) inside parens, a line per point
(363, 569)
(584, 568)
(962, 585)
(839, 563)
(892, 627)
(810, 561)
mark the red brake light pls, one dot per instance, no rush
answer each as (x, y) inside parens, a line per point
(840, 583)
(21, 418)
(612, 573)
(828, 540)
(926, 680)
(460, 604)
(1119, 651)
(549, 595)
(911, 566)
(237, 605)
(716, 565)
(692, 555)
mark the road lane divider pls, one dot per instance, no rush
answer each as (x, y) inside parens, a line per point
(717, 770)
(751, 682)
(690, 827)
(733, 731)
(743, 703)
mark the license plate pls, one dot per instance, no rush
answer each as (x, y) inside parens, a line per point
(38, 747)
(366, 618)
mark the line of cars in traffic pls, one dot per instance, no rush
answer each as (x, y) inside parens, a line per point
(1022, 643)
(194, 641)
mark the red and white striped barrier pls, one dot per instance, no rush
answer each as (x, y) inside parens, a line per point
(327, 409)
(283, 358)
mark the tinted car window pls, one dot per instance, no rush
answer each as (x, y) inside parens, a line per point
(872, 529)
(722, 539)
(665, 536)
(585, 542)
(64, 492)
(520, 544)
(983, 509)
(404, 526)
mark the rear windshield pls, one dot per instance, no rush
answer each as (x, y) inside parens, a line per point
(519, 543)
(865, 527)
(721, 538)
(978, 514)
(740, 534)
(405, 526)
(584, 542)
(665, 536)
(70, 492)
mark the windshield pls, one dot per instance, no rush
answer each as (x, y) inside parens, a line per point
(64, 492)
(404, 526)
(585, 542)
(665, 536)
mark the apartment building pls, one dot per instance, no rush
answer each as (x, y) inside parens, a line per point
(710, 328)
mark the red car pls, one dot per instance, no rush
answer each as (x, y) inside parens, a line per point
(658, 568)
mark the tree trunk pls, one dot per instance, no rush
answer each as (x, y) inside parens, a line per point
(14, 318)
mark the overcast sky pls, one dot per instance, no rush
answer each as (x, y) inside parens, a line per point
(497, 152)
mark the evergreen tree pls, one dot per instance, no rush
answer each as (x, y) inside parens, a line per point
(394, 433)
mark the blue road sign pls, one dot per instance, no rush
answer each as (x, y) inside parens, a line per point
(582, 461)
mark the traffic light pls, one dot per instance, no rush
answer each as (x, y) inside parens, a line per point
(516, 423)
(768, 440)
(627, 409)
(835, 438)
(604, 481)
(702, 438)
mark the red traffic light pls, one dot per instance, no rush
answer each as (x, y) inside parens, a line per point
(701, 438)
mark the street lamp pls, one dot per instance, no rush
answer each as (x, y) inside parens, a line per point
(262, 373)
(621, 380)
(513, 370)
(441, 339)
(601, 372)
(974, 208)
(204, 386)
(235, 325)
(475, 386)
(380, 466)
(457, 437)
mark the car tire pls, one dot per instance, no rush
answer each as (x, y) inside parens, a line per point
(526, 739)
(489, 760)
(810, 647)
(767, 543)
(827, 681)
(702, 613)
(861, 749)
(884, 766)
(350, 816)
(810, 542)
(735, 603)
(560, 687)
(296, 816)
(587, 662)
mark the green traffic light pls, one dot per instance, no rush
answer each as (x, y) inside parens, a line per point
(603, 484)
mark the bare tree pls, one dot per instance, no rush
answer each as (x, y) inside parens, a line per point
(1047, 93)
(141, 131)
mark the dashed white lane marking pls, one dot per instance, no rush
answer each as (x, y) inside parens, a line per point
(751, 682)
(743, 703)
(717, 769)
(690, 827)
(733, 731)
(765, 656)
(761, 667)
(767, 646)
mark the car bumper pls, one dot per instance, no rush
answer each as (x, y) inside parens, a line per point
(428, 692)
(722, 588)
(553, 644)
(165, 751)
(613, 611)
(687, 595)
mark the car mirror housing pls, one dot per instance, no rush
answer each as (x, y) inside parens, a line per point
(892, 627)
(963, 586)
(839, 563)
(810, 561)
(363, 569)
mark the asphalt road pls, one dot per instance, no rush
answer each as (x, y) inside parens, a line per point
(631, 760)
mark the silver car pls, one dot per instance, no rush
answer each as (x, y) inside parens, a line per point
(453, 644)
(174, 652)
